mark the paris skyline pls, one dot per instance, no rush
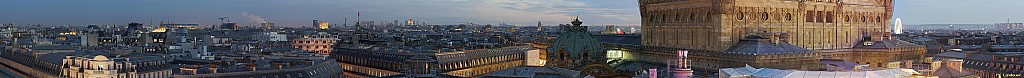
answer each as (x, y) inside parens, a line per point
(516, 12)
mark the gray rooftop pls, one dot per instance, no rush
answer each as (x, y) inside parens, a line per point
(533, 72)
(755, 45)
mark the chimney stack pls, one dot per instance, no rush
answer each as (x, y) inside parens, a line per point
(278, 65)
(213, 68)
(190, 69)
(250, 67)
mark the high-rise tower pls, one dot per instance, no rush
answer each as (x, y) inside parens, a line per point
(539, 27)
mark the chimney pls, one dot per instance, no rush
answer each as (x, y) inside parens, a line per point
(213, 68)
(278, 65)
(879, 36)
(250, 67)
(190, 69)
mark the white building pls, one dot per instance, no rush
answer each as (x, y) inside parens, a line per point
(270, 37)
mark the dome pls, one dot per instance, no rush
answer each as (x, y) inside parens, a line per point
(100, 58)
(161, 29)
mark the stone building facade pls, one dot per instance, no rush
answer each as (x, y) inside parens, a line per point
(319, 43)
(716, 24)
(829, 28)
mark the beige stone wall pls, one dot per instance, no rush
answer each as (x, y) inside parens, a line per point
(716, 24)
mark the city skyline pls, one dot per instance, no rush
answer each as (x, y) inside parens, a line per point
(516, 12)
(511, 39)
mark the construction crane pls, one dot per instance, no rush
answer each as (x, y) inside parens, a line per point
(222, 19)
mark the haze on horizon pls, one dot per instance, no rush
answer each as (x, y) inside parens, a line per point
(517, 12)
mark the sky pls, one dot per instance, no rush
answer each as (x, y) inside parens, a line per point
(297, 13)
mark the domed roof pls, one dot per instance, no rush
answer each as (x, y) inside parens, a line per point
(100, 58)
(160, 29)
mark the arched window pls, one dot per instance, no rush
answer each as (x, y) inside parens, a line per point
(663, 17)
(878, 18)
(708, 16)
(789, 17)
(739, 16)
(863, 18)
(848, 18)
(678, 16)
(693, 16)
(764, 15)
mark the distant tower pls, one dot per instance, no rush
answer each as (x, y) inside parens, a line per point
(134, 26)
(539, 28)
(267, 25)
(898, 27)
(315, 22)
(410, 22)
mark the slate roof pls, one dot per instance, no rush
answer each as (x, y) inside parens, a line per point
(776, 73)
(951, 54)
(945, 71)
(888, 43)
(754, 45)
(630, 39)
(533, 72)
(53, 47)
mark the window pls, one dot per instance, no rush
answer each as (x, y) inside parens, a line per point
(693, 16)
(678, 16)
(764, 15)
(707, 16)
(848, 18)
(829, 17)
(863, 18)
(739, 16)
(663, 17)
(809, 16)
(878, 18)
(819, 17)
(789, 17)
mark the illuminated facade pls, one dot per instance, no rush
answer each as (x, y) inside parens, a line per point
(713, 27)
(410, 22)
(267, 25)
(323, 25)
(319, 43)
(715, 24)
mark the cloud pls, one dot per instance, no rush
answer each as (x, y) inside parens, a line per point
(254, 18)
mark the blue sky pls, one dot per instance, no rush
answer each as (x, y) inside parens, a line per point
(298, 13)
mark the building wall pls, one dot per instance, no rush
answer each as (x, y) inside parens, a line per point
(995, 67)
(320, 44)
(106, 68)
(715, 24)
(467, 63)
(876, 57)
